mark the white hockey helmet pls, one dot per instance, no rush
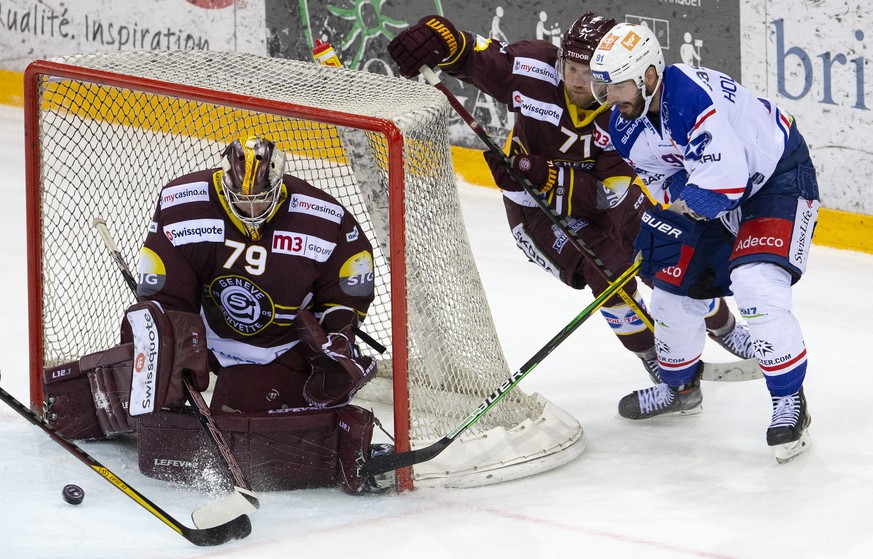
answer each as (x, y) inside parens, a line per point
(252, 179)
(625, 53)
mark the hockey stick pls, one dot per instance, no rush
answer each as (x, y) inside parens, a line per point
(537, 196)
(388, 462)
(242, 500)
(236, 528)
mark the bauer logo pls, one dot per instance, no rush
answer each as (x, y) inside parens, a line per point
(538, 110)
(319, 208)
(184, 194)
(195, 231)
(146, 351)
(301, 244)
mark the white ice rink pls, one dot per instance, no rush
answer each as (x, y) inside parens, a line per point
(700, 486)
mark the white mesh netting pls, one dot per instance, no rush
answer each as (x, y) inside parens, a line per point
(106, 150)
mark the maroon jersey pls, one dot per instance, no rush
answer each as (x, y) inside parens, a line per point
(595, 190)
(311, 253)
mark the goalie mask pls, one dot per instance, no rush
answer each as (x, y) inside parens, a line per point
(253, 179)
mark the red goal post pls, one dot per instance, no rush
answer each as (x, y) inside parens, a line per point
(104, 132)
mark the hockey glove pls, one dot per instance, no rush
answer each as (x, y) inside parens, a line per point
(338, 371)
(665, 244)
(427, 43)
(536, 168)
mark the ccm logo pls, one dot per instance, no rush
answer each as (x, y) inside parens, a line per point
(661, 226)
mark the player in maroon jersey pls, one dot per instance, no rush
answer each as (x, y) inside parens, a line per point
(262, 279)
(282, 275)
(561, 142)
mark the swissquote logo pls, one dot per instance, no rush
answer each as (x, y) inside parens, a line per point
(303, 204)
(195, 231)
(184, 194)
(146, 350)
(539, 110)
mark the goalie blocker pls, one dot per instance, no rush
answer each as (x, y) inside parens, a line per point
(137, 386)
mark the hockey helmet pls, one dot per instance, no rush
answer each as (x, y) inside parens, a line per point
(626, 53)
(252, 179)
(579, 42)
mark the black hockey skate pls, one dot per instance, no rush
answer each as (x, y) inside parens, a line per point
(788, 433)
(662, 399)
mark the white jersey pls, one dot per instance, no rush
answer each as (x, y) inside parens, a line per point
(726, 139)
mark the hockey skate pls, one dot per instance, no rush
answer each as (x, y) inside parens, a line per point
(738, 341)
(662, 399)
(788, 433)
(650, 362)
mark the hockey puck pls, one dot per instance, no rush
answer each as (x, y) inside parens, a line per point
(73, 494)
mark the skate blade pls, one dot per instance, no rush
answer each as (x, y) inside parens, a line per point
(787, 452)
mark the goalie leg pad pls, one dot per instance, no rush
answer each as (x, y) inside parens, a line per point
(276, 451)
(355, 436)
(109, 375)
(88, 399)
(67, 402)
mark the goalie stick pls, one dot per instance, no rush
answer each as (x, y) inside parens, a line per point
(242, 500)
(235, 528)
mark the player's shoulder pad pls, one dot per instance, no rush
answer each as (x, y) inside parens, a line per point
(686, 99)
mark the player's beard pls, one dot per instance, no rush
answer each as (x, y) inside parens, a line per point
(633, 109)
(580, 96)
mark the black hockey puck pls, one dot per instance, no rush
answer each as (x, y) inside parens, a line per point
(73, 494)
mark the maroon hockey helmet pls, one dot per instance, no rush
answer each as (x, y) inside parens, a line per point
(252, 179)
(579, 42)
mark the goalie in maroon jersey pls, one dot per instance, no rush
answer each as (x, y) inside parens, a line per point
(561, 142)
(274, 275)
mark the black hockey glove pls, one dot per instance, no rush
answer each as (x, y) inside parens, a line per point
(666, 243)
(427, 43)
(539, 170)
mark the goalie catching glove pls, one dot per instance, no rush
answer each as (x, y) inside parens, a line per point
(338, 369)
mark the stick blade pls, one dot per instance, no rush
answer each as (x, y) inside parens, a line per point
(236, 529)
(389, 462)
(240, 502)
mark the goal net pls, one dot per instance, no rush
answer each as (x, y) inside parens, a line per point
(106, 131)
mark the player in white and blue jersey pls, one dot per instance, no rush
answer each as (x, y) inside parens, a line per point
(740, 202)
